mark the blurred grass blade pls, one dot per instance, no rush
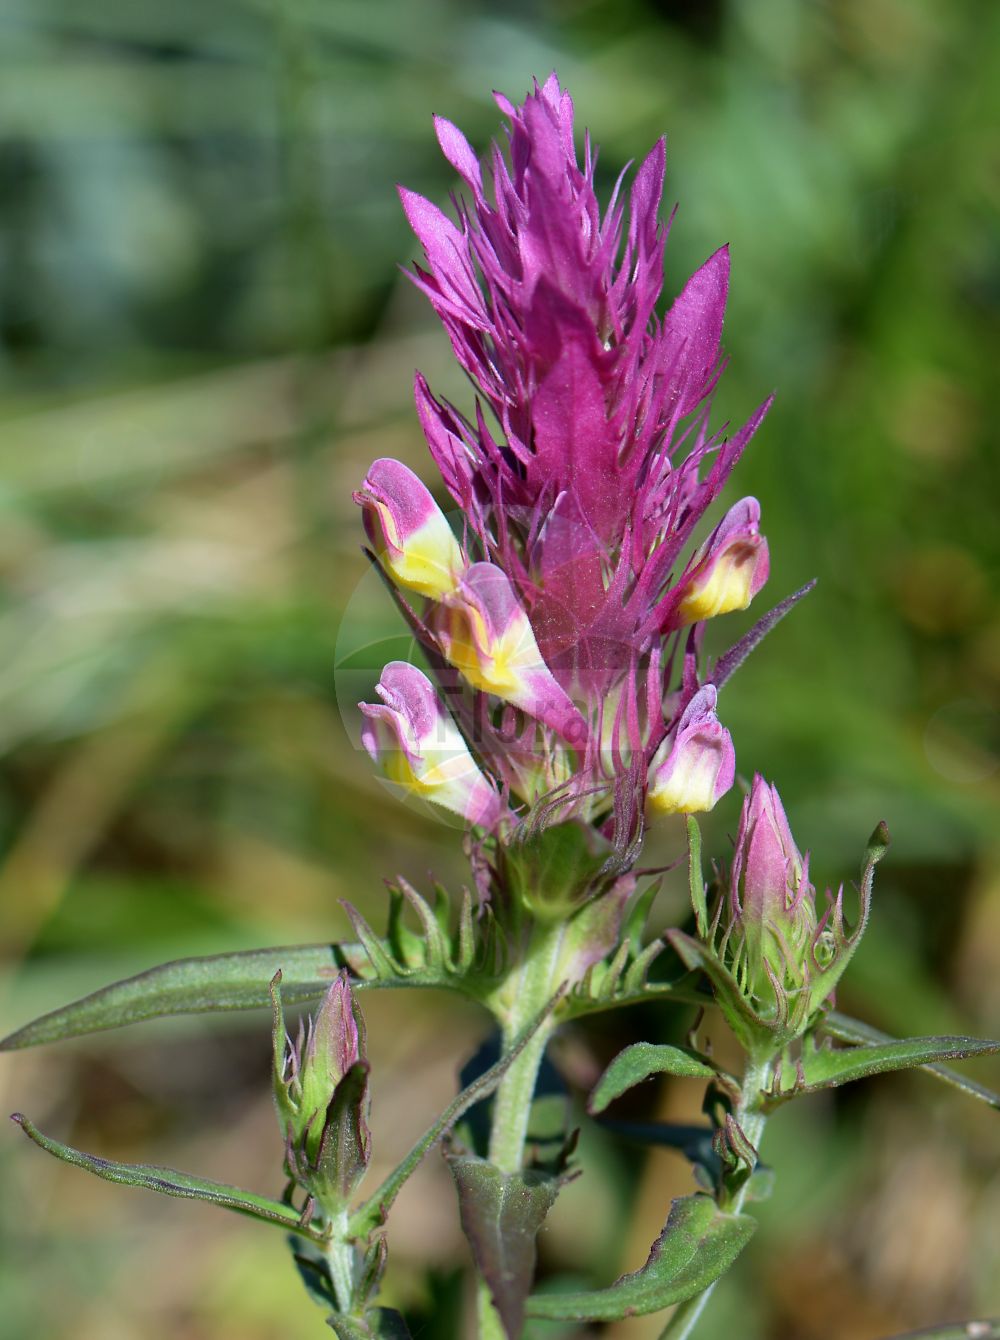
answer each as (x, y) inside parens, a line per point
(959, 1330)
(845, 1029)
(640, 1062)
(171, 1183)
(237, 981)
(698, 1244)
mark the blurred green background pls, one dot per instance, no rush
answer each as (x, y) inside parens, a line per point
(204, 340)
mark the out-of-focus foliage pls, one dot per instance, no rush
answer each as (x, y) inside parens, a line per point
(204, 340)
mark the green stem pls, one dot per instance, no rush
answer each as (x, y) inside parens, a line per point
(340, 1258)
(526, 991)
(756, 1079)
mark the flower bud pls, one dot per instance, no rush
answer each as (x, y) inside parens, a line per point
(321, 1093)
(695, 765)
(775, 960)
(409, 530)
(771, 898)
(422, 750)
(484, 633)
(728, 570)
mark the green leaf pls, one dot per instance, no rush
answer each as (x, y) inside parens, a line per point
(826, 1067)
(379, 1323)
(695, 879)
(845, 1029)
(171, 1183)
(501, 1214)
(639, 1062)
(698, 1244)
(237, 981)
(374, 1211)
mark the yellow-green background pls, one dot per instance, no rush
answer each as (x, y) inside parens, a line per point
(205, 338)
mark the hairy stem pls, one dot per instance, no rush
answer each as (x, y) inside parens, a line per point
(340, 1259)
(529, 987)
(756, 1079)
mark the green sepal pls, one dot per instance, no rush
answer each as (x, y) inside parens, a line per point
(238, 981)
(823, 1066)
(552, 871)
(825, 982)
(378, 1323)
(467, 958)
(345, 1143)
(640, 1062)
(501, 1213)
(845, 1029)
(753, 1032)
(373, 1212)
(699, 1243)
(172, 1183)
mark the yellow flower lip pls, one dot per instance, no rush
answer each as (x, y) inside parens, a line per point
(486, 635)
(415, 543)
(696, 764)
(728, 570)
(421, 749)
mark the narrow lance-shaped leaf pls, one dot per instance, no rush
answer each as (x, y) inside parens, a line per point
(826, 1067)
(238, 981)
(845, 1029)
(501, 1214)
(375, 1209)
(640, 1062)
(172, 1183)
(698, 1244)
(218, 982)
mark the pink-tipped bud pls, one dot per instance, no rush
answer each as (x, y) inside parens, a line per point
(484, 633)
(772, 902)
(727, 571)
(321, 1093)
(769, 872)
(695, 765)
(331, 1047)
(409, 530)
(422, 750)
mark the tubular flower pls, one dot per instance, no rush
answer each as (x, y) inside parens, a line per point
(422, 750)
(409, 530)
(728, 570)
(582, 475)
(485, 634)
(695, 765)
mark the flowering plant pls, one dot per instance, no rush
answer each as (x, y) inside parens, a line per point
(567, 705)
